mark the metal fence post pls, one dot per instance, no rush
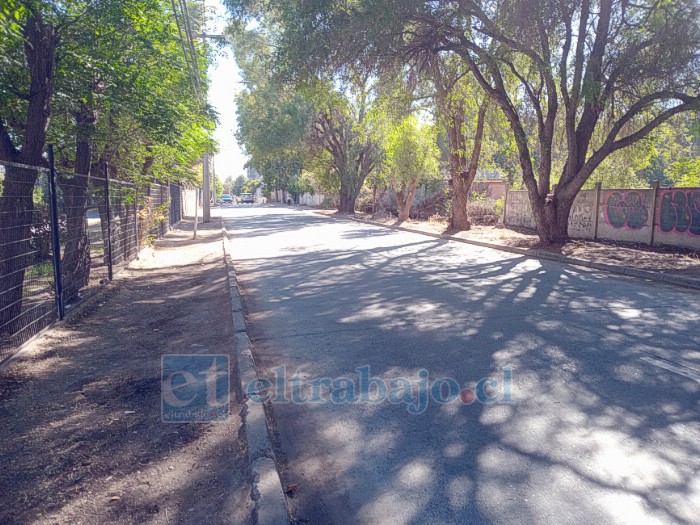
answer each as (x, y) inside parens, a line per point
(55, 237)
(596, 209)
(655, 203)
(110, 262)
(136, 221)
(196, 212)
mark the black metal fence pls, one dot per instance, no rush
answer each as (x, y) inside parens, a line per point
(63, 233)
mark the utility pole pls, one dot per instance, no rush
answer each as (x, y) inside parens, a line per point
(213, 178)
(206, 185)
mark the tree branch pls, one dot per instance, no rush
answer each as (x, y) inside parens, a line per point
(8, 151)
(611, 145)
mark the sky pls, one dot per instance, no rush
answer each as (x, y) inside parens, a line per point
(225, 83)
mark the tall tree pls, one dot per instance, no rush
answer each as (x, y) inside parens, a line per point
(412, 158)
(612, 65)
(615, 67)
(114, 72)
(342, 128)
(29, 42)
(462, 109)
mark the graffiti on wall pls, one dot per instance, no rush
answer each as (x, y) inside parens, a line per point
(626, 209)
(679, 211)
(581, 217)
(518, 210)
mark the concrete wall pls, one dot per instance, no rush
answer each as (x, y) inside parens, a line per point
(304, 200)
(626, 215)
(671, 217)
(518, 211)
(494, 189)
(678, 217)
(311, 200)
(582, 217)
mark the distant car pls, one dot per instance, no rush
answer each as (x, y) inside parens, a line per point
(227, 198)
(247, 198)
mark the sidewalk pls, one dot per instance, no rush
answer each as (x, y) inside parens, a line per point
(81, 439)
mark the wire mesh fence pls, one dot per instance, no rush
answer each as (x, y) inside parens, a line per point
(27, 299)
(62, 233)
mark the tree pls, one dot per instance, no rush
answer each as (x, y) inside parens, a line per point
(274, 117)
(412, 158)
(458, 102)
(251, 186)
(29, 41)
(285, 122)
(237, 185)
(342, 129)
(675, 152)
(115, 72)
(621, 67)
(608, 71)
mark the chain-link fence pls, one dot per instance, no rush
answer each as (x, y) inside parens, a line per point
(62, 233)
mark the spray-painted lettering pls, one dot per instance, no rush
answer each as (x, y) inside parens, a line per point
(626, 209)
(581, 218)
(680, 211)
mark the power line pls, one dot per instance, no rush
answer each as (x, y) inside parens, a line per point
(188, 49)
(190, 41)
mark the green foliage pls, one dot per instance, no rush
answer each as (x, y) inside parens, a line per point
(121, 64)
(250, 186)
(675, 158)
(412, 155)
(237, 186)
(319, 170)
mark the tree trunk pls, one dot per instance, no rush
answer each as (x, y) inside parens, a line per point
(463, 174)
(347, 201)
(404, 199)
(16, 203)
(460, 195)
(349, 190)
(459, 172)
(552, 220)
(401, 202)
(17, 214)
(105, 219)
(75, 265)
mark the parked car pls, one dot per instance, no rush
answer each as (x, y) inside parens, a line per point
(247, 198)
(226, 198)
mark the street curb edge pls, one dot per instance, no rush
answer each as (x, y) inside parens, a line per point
(675, 280)
(267, 492)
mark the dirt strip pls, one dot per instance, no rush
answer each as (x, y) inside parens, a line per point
(81, 438)
(664, 259)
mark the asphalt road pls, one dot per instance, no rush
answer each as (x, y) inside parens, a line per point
(563, 395)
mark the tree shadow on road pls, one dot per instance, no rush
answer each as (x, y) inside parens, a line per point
(591, 427)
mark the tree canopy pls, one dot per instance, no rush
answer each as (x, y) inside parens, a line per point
(576, 81)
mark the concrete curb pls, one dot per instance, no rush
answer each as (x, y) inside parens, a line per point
(677, 280)
(270, 501)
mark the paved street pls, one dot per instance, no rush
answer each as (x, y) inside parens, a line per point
(578, 393)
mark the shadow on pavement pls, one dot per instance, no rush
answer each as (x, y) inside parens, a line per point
(592, 430)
